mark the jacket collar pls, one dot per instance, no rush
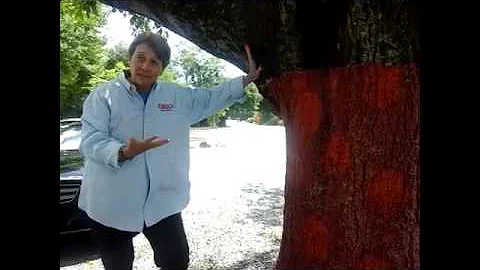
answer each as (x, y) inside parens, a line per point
(123, 79)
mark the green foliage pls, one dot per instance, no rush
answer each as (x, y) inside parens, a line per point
(199, 70)
(168, 75)
(81, 52)
(142, 24)
(119, 53)
(247, 110)
(265, 116)
(202, 71)
(105, 75)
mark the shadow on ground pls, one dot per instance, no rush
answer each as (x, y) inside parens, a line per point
(77, 248)
(258, 261)
(268, 208)
(254, 261)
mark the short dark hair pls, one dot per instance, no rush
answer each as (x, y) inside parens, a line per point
(156, 42)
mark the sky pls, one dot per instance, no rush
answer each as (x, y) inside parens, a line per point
(117, 30)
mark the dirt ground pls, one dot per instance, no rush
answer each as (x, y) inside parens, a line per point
(234, 219)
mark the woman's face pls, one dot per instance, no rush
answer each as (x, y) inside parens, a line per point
(145, 67)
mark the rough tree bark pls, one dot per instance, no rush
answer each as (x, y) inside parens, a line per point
(352, 186)
(352, 182)
(343, 76)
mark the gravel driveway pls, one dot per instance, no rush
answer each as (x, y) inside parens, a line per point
(234, 219)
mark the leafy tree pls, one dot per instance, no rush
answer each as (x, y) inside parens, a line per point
(199, 70)
(248, 109)
(81, 52)
(119, 53)
(168, 75)
(265, 114)
(140, 24)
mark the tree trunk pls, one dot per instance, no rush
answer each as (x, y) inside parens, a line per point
(352, 180)
(351, 194)
(344, 78)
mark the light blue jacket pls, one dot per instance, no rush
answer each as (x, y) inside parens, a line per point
(154, 184)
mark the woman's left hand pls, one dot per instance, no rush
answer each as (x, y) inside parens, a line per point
(253, 71)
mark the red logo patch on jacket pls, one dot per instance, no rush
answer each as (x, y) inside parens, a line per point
(165, 106)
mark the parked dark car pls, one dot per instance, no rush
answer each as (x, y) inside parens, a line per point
(72, 219)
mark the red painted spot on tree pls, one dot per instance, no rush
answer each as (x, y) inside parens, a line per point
(386, 190)
(307, 114)
(338, 156)
(371, 262)
(315, 234)
(343, 208)
(333, 79)
(382, 86)
(299, 82)
(303, 170)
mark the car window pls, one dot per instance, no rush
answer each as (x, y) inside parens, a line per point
(70, 127)
(70, 135)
